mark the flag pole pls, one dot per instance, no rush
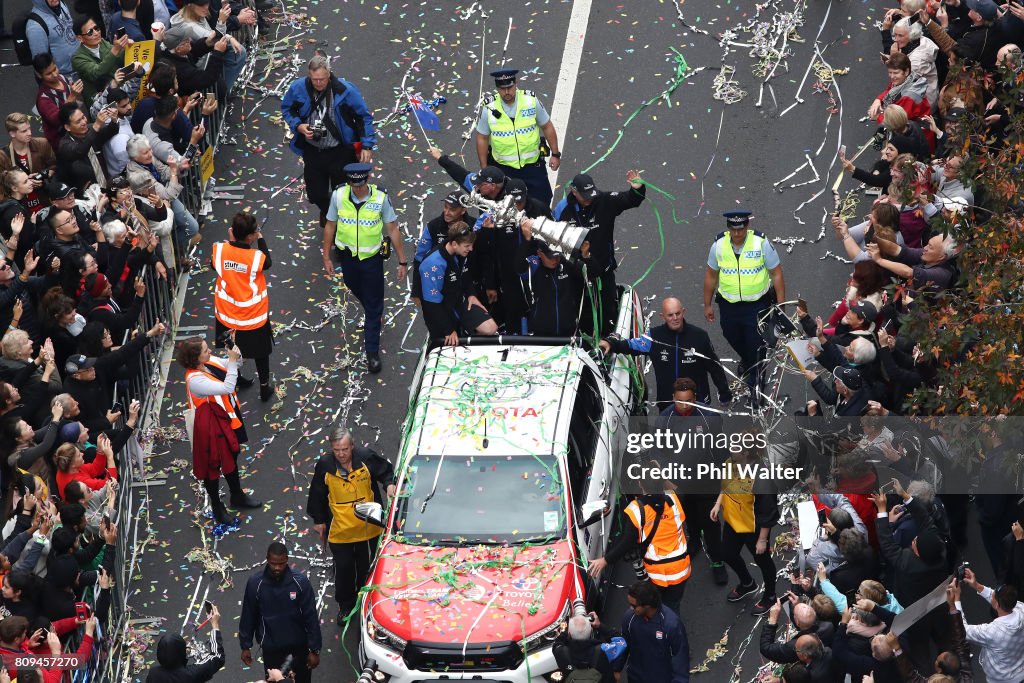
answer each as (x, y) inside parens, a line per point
(412, 110)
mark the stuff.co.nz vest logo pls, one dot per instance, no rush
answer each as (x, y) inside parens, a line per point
(236, 267)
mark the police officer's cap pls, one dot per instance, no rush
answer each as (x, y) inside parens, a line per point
(504, 77)
(490, 174)
(517, 188)
(356, 174)
(455, 197)
(737, 219)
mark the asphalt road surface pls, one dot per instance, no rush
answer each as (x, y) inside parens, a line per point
(770, 150)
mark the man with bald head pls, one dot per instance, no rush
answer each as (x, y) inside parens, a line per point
(806, 622)
(817, 658)
(677, 349)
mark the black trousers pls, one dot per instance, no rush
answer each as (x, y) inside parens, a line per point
(699, 525)
(351, 567)
(273, 658)
(323, 171)
(733, 543)
(605, 295)
(672, 596)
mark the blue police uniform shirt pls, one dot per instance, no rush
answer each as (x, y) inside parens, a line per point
(771, 257)
(483, 128)
(388, 214)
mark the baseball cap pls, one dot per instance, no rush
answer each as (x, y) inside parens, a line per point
(455, 197)
(490, 174)
(59, 190)
(77, 363)
(848, 376)
(517, 188)
(865, 310)
(986, 8)
(99, 284)
(584, 184)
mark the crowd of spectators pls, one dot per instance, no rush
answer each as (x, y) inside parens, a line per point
(99, 200)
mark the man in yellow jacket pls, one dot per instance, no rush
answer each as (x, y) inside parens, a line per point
(348, 475)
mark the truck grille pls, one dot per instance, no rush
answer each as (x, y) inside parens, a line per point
(504, 655)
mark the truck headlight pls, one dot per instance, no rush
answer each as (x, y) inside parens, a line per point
(381, 635)
(546, 636)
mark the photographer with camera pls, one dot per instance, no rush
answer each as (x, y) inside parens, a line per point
(331, 127)
(172, 657)
(33, 155)
(217, 431)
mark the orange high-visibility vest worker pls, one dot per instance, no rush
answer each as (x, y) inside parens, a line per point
(666, 560)
(240, 294)
(229, 402)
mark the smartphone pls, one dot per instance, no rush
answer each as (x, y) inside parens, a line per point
(207, 607)
(118, 407)
(120, 32)
(81, 611)
(822, 517)
(106, 521)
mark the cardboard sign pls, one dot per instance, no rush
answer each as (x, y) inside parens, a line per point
(143, 52)
(911, 615)
(206, 165)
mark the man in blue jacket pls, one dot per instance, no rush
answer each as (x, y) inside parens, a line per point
(331, 127)
(657, 648)
(279, 610)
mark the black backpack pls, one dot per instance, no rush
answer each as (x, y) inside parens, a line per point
(20, 33)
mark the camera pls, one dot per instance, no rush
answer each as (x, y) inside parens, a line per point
(318, 129)
(225, 340)
(879, 137)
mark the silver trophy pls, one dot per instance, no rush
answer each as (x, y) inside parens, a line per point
(559, 235)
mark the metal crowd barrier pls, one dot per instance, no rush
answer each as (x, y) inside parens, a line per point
(146, 385)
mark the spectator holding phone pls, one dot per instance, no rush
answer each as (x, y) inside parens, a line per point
(193, 22)
(96, 60)
(172, 657)
(125, 22)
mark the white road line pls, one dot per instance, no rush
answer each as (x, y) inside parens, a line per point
(567, 75)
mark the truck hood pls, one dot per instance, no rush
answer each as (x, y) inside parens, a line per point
(483, 593)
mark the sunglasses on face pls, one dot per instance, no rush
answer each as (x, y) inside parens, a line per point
(90, 31)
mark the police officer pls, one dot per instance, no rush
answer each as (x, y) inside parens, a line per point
(742, 269)
(554, 286)
(343, 477)
(357, 215)
(435, 234)
(331, 127)
(509, 134)
(450, 302)
(241, 303)
(677, 349)
(588, 207)
(656, 532)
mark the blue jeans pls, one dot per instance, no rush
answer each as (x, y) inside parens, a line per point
(185, 224)
(233, 64)
(366, 280)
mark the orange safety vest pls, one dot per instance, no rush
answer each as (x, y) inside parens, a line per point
(229, 402)
(240, 295)
(667, 561)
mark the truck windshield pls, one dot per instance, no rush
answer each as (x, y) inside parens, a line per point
(493, 500)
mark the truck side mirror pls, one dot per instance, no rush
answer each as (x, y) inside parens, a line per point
(590, 513)
(370, 512)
